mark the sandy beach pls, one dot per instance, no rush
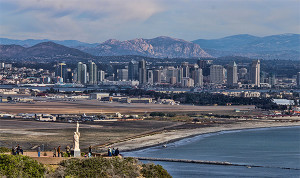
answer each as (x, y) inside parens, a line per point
(174, 135)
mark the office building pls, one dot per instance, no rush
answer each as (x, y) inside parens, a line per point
(157, 76)
(142, 72)
(150, 77)
(217, 74)
(81, 73)
(133, 71)
(198, 78)
(185, 69)
(122, 74)
(92, 73)
(100, 76)
(255, 73)
(232, 77)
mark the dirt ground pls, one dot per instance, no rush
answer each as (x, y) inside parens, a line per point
(52, 134)
(94, 106)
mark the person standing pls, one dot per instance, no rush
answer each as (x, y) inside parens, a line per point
(113, 152)
(117, 152)
(54, 152)
(90, 151)
(109, 152)
(13, 150)
(58, 151)
(68, 150)
(18, 149)
(39, 151)
(21, 150)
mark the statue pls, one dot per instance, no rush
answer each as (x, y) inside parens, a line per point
(76, 142)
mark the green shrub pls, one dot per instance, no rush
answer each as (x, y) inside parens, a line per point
(4, 150)
(100, 167)
(20, 166)
(152, 170)
(161, 114)
(171, 114)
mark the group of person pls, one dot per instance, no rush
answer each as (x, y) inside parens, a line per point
(16, 150)
(113, 152)
(58, 153)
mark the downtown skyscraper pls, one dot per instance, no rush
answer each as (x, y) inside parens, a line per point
(232, 77)
(255, 73)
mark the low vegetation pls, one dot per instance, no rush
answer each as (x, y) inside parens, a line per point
(20, 166)
(4, 150)
(23, 166)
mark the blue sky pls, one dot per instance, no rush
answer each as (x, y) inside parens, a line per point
(100, 20)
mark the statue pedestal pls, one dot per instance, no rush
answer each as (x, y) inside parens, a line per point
(77, 153)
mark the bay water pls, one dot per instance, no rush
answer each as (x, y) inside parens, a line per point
(276, 149)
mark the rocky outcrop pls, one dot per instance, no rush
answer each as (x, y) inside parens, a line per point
(160, 47)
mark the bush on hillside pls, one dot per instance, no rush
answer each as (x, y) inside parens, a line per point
(20, 166)
(4, 150)
(152, 170)
(99, 167)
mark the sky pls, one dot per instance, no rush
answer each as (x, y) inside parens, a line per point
(96, 21)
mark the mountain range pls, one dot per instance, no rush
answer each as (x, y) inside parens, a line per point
(41, 51)
(284, 46)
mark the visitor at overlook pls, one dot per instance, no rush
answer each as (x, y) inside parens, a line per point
(113, 152)
(68, 151)
(39, 151)
(21, 150)
(58, 151)
(90, 151)
(117, 152)
(54, 152)
(109, 152)
(13, 150)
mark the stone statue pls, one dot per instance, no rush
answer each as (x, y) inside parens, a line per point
(76, 142)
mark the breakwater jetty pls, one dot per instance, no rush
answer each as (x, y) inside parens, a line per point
(224, 163)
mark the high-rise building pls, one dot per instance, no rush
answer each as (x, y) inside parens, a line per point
(217, 74)
(205, 66)
(272, 79)
(150, 77)
(101, 76)
(81, 73)
(157, 76)
(185, 69)
(255, 73)
(232, 77)
(198, 80)
(298, 79)
(122, 74)
(142, 72)
(187, 82)
(242, 73)
(170, 74)
(92, 73)
(133, 71)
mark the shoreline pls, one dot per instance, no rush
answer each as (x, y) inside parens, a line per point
(177, 135)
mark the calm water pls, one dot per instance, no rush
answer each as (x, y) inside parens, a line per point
(272, 148)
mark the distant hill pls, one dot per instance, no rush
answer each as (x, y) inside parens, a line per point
(160, 47)
(32, 42)
(284, 46)
(45, 50)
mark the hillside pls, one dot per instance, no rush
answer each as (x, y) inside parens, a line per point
(45, 50)
(284, 46)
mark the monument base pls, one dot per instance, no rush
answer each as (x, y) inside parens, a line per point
(77, 153)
